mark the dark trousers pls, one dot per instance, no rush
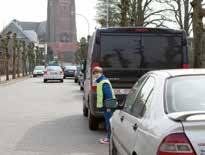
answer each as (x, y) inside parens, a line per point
(107, 116)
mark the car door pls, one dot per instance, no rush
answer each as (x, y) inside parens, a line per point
(134, 117)
(119, 120)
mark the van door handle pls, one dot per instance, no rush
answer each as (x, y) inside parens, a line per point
(135, 126)
(122, 118)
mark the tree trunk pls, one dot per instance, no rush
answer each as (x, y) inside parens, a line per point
(197, 31)
(7, 65)
(14, 64)
(140, 14)
(17, 65)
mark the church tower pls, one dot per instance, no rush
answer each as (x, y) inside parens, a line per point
(61, 27)
(61, 21)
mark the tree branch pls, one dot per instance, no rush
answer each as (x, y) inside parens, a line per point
(154, 13)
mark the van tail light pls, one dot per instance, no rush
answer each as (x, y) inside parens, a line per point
(185, 66)
(94, 89)
(176, 144)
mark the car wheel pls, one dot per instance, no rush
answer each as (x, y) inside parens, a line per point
(112, 148)
(44, 80)
(81, 88)
(92, 121)
(85, 111)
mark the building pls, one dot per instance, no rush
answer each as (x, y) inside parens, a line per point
(30, 32)
(58, 33)
(61, 29)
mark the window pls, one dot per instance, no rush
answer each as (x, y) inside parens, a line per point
(121, 50)
(185, 93)
(130, 100)
(162, 51)
(142, 97)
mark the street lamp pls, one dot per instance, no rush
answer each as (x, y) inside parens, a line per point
(85, 20)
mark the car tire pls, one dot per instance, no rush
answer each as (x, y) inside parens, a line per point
(85, 111)
(81, 88)
(44, 80)
(92, 122)
(112, 148)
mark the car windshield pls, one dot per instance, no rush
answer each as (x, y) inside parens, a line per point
(39, 68)
(70, 67)
(185, 93)
(54, 68)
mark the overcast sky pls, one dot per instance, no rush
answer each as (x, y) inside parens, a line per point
(36, 10)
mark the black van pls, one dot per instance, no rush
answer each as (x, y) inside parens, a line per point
(125, 54)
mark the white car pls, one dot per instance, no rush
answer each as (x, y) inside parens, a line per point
(53, 73)
(164, 114)
(39, 71)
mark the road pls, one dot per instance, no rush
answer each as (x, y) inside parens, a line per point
(45, 119)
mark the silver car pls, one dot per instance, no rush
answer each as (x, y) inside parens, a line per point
(164, 114)
(38, 71)
(53, 73)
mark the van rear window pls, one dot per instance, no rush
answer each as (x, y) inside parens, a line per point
(136, 51)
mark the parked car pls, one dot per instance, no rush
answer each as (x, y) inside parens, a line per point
(125, 54)
(38, 71)
(53, 73)
(77, 74)
(164, 114)
(69, 71)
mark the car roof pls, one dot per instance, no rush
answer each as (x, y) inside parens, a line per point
(179, 72)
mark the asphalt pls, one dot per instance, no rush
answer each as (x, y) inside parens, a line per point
(39, 118)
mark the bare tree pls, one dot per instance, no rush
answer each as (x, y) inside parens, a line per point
(180, 13)
(18, 48)
(112, 7)
(14, 45)
(5, 47)
(145, 13)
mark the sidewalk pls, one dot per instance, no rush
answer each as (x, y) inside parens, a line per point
(3, 78)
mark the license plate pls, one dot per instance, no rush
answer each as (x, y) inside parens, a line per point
(54, 73)
(121, 91)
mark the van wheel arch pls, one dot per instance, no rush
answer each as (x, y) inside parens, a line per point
(134, 153)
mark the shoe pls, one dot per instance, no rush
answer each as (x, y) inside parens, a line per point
(104, 141)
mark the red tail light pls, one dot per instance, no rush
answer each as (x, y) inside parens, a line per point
(141, 30)
(94, 88)
(185, 66)
(176, 144)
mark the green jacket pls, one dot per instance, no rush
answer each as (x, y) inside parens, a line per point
(100, 99)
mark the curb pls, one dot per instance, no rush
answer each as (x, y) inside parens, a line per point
(13, 81)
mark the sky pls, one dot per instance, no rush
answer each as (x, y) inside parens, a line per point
(36, 11)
